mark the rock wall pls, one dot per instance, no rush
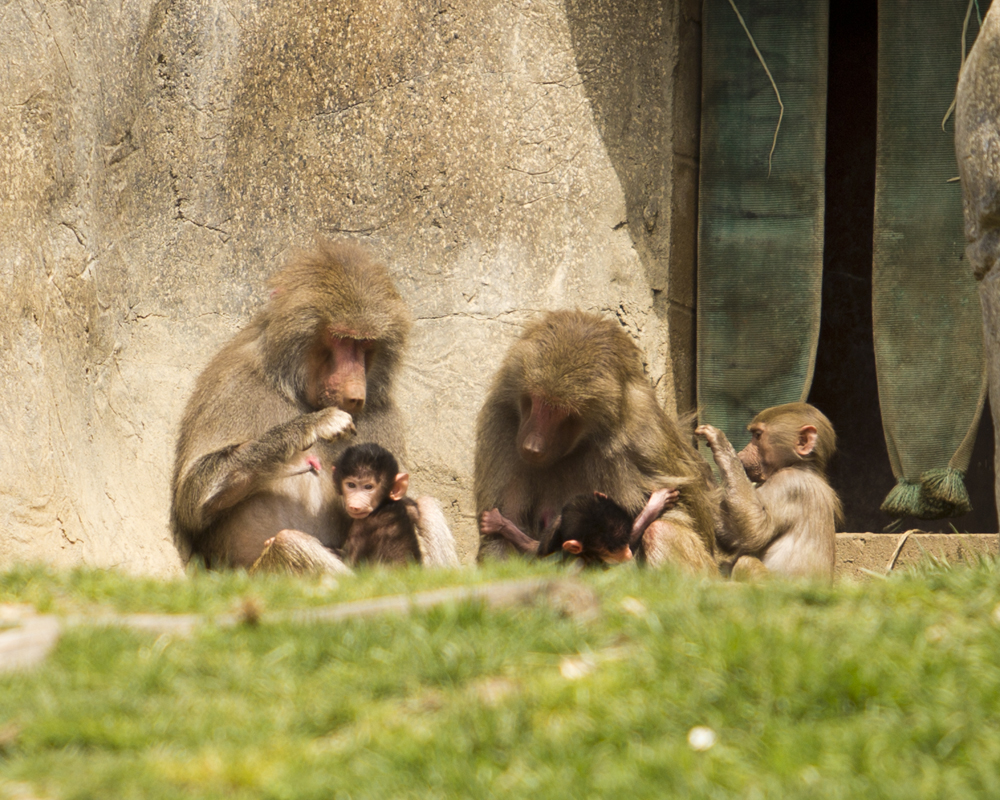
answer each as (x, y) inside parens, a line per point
(159, 159)
(977, 148)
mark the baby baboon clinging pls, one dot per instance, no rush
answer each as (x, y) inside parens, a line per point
(268, 413)
(383, 519)
(786, 524)
(591, 527)
(571, 412)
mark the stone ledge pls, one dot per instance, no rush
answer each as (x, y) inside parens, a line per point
(874, 551)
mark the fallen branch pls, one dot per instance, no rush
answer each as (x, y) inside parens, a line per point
(569, 596)
(34, 639)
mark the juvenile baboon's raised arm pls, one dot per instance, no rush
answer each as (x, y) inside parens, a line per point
(272, 409)
(786, 523)
(571, 412)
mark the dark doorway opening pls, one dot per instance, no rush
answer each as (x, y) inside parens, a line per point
(844, 386)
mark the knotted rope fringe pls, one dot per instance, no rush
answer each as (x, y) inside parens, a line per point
(940, 493)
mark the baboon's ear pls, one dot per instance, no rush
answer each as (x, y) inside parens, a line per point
(807, 440)
(399, 486)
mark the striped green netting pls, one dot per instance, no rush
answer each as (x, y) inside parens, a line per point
(928, 336)
(760, 239)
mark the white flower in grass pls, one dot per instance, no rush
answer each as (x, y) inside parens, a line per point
(701, 738)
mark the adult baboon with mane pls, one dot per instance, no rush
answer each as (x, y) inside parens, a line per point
(572, 412)
(270, 413)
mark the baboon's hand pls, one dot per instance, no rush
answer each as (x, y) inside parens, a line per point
(329, 424)
(711, 434)
(664, 498)
(490, 522)
(659, 501)
(334, 423)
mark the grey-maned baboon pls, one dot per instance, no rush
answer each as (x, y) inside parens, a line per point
(269, 413)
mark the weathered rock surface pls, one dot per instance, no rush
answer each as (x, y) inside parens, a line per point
(161, 156)
(977, 148)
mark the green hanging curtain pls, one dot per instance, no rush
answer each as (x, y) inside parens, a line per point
(928, 326)
(760, 237)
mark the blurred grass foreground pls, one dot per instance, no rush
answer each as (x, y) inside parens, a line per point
(673, 687)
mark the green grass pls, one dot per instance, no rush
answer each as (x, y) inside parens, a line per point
(886, 689)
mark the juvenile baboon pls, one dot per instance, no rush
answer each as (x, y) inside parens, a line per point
(383, 518)
(786, 524)
(571, 412)
(269, 412)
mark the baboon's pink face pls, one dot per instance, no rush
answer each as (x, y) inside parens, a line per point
(362, 495)
(547, 432)
(338, 372)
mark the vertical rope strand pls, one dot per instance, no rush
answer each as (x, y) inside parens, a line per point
(777, 94)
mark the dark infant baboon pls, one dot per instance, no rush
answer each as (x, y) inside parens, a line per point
(591, 527)
(383, 518)
(270, 411)
(572, 412)
(787, 523)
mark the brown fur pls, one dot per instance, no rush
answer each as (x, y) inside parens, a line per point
(787, 523)
(571, 412)
(386, 536)
(250, 436)
(384, 522)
